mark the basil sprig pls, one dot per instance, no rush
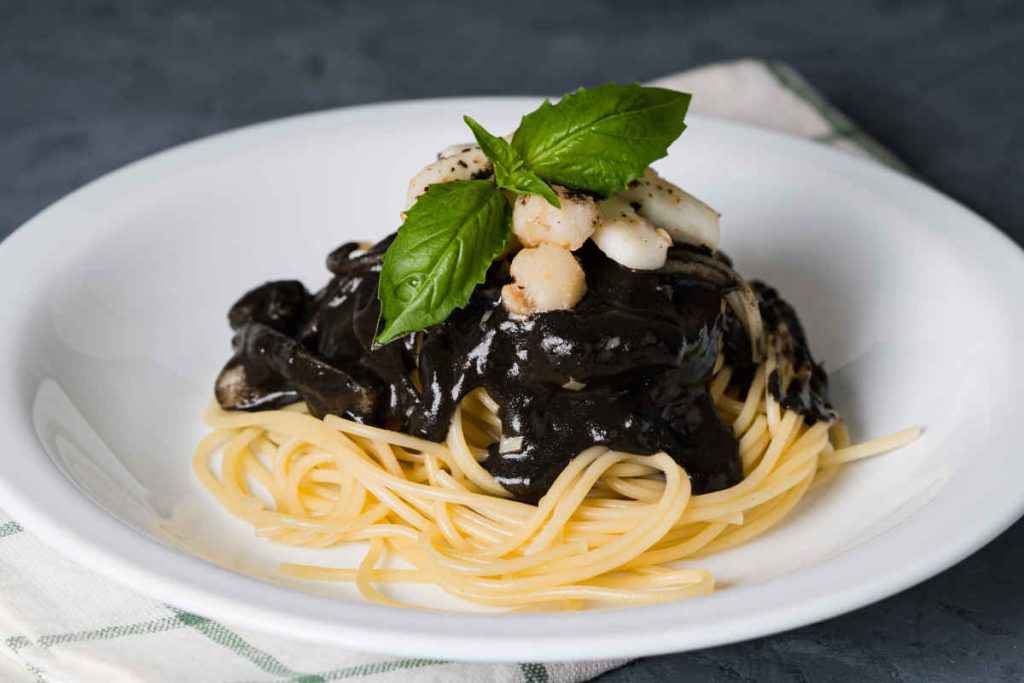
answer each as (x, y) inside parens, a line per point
(596, 140)
(510, 170)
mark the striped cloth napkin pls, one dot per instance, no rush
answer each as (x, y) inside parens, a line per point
(60, 622)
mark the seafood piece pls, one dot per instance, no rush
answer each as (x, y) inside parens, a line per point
(547, 278)
(629, 239)
(686, 218)
(535, 221)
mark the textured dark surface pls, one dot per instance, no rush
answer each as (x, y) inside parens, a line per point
(88, 86)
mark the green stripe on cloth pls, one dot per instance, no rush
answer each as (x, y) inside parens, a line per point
(107, 633)
(370, 669)
(534, 673)
(37, 672)
(834, 135)
(110, 632)
(842, 127)
(9, 529)
(16, 643)
(221, 635)
(224, 636)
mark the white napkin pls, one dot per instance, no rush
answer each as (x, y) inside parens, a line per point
(60, 622)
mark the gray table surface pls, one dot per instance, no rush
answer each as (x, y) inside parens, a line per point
(88, 86)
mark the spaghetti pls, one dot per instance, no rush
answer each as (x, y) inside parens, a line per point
(610, 530)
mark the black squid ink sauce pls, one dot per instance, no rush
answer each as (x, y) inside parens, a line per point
(628, 367)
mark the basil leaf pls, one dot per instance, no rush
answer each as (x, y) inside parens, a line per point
(442, 252)
(525, 181)
(510, 171)
(601, 139)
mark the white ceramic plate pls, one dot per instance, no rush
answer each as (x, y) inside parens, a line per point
(114, 304)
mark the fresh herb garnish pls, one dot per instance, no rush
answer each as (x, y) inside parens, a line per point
(596, 140)
(510, 171)
(601, 139)
(442, 252)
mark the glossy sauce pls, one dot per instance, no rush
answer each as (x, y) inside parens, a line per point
(628, 367)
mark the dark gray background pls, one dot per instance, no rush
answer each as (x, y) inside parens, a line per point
(88, 86)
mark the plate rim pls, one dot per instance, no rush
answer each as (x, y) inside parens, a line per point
(120, 552)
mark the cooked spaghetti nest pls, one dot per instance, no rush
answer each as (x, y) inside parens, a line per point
(610, 530)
